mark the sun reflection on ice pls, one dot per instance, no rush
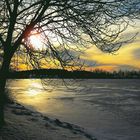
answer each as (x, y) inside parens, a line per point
(34, 89)
(32, 92)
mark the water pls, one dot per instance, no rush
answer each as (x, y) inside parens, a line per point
(107, 108)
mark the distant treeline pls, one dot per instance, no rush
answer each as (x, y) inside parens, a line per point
(59, 73)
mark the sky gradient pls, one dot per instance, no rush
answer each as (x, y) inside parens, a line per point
(126, 58)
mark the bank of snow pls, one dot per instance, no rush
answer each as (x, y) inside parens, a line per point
(23, 124)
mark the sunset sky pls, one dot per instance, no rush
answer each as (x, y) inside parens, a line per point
(127, 58)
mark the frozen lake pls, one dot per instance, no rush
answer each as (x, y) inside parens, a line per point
(107, 108)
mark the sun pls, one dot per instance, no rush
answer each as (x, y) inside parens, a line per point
(37, 42)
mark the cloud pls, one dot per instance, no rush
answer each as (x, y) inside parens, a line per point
(119, 67)
(116, 67)
(126, 67)
(136, 54)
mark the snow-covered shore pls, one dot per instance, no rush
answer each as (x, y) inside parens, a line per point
(24, 124)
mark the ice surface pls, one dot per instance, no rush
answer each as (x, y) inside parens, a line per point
(107, 108)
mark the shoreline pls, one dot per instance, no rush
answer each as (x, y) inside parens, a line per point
(25, 124)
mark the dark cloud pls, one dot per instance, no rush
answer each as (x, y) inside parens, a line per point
(136, 54)
(126, 67)
(120, 67)
(90, 62)
(130, 38)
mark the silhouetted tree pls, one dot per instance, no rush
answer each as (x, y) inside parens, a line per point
(65, 26)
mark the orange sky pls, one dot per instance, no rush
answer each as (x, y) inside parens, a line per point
(127, 58)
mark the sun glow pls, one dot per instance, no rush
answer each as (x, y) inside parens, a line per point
(37, 42)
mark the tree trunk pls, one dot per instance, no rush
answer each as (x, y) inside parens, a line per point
(2, 100)
(3, 77)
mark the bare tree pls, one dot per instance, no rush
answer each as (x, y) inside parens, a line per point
(65, 26)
